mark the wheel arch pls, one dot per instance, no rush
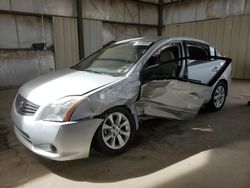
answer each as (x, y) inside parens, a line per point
(210, 106)
(226, 84)
(131, 109)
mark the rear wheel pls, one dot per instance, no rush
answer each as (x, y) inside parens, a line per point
(116, 132)
(218, 97)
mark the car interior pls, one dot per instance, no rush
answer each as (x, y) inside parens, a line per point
(163, 64)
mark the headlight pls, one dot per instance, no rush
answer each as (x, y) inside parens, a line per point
(62, 109)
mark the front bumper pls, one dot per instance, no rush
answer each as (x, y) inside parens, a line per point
(55, 140)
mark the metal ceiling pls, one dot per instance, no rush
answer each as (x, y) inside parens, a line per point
(158, 2)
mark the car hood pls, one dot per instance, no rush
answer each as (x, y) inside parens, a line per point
(53, 86)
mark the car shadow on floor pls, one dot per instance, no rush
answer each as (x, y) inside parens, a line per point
(159, 144)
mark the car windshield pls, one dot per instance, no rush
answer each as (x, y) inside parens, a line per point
(115, 60)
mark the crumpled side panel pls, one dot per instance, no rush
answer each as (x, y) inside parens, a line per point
(123, 92)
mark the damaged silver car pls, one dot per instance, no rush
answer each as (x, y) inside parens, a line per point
(100, 100)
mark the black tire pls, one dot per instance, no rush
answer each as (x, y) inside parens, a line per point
(99, 136)
(211, 106)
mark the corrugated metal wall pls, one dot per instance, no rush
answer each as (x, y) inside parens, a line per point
(230, 35)
(21, 25)
(55, 7)
(197, 10)
(116, 32)
(121, 11)
(92, 31)
(66, 42)
(19, 62)
(19, 32)
(20, 66)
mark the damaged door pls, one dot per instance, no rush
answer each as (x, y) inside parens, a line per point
(172, 98)
(168, 94)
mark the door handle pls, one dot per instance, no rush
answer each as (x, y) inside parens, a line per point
(215, 69)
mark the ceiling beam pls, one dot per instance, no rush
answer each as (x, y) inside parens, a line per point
(172, 2)
(146, 2)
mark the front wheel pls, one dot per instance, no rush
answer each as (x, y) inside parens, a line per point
(218, 97)
(116, 132)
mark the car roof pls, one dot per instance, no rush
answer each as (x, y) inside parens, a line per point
(156, 39)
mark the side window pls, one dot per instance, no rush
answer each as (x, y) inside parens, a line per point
(162, 64)
(198, 52)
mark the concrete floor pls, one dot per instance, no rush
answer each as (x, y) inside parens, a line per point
(211, 150)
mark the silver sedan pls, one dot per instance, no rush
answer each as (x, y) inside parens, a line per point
(99, 101)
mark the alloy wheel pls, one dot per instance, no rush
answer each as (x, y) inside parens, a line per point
(116, 130)
(219, 96)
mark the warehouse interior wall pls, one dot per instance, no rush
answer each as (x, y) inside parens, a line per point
(93, 41)
(230, 36)
(66, 42)
(224, 24)
(19, 66)
(23, 23)
(198, 10)
(19, 62)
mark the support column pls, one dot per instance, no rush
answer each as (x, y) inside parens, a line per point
(160, 15)
(80, 28)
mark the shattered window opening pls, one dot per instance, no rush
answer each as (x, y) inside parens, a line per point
(163, 64)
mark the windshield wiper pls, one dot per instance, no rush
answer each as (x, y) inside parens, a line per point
(92, 71)
(112, 59)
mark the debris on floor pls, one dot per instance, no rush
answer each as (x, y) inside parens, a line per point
(205, 129)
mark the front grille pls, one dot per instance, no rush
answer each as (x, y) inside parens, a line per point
(25, 107)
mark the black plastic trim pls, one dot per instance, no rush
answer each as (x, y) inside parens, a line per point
(213, 80)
